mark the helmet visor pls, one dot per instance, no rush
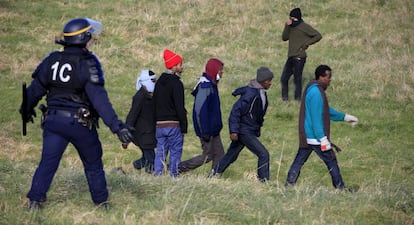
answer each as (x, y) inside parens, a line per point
(96, 26)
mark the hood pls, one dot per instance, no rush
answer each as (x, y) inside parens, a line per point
(145, 79)
(213, 67)
(242, 90)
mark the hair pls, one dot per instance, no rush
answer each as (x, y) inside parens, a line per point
(320, 71)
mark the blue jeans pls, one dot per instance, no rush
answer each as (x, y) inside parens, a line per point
(255, 146)
(328, 158)
(169, 140)
(293, 66)
(58, 132)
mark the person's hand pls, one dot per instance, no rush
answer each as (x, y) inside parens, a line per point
(234, 136)
(351, 119)
(124, 145)
(125, 134)
(29, 115)
(325, 144)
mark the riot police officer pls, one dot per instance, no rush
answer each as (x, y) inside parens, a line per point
(73, 82)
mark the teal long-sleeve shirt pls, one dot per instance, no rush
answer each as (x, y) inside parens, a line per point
(314, 127)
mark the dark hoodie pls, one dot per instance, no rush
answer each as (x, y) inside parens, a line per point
(247, 114)
(169, 100)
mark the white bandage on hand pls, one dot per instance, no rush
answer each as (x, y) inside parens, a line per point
(325, 144)
(351, 119)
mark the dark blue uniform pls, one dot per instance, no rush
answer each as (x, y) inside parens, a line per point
(71, 79)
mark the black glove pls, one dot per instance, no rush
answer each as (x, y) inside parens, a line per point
(125, 134)
(29, 115)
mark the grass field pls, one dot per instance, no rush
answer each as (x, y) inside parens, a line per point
(368, 44)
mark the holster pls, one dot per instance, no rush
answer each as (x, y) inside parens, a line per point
(43, 109)
(87, 118)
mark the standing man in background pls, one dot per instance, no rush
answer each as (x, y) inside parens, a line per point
(170, 115)
(207, 117)
(300, 36)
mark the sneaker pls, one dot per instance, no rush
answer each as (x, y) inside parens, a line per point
(103, 205)
(149, 168)
(213, 174)
(138, 164)
(34, 205)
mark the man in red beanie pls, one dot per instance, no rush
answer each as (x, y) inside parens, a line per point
(207, 117)
(170, 115)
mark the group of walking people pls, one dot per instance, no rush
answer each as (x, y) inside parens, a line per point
(73, 82)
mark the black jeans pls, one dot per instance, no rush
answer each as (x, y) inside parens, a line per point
(255, 146)
(293, 66)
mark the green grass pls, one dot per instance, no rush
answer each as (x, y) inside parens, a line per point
(369, 45)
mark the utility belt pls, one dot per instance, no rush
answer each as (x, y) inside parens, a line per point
(83, 116)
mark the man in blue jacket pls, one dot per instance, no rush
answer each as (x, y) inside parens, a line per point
(207, 117)
(246, 119)
(314, 128)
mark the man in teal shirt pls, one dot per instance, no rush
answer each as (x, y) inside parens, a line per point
(314, 128)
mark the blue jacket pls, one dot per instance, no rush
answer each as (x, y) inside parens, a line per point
(206, 110)
(314, 127)
(247, 114)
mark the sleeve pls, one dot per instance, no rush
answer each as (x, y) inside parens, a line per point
(314, 36)
(285, 33)
(100, 101)
(238, 110)
(37, 88)
(178, 96)
(35, 92)
(95, 72)
(98, 95)
(336, 115)
(314, 106)
(135, 110)
(201, 111)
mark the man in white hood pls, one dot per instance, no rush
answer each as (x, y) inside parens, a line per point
(141, 116)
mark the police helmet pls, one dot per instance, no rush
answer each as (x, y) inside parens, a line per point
(76, 32)
(79, 31)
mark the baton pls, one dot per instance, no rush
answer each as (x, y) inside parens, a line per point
(24, 109)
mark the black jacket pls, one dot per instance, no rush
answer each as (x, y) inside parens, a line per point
(141, 116)
(169, 100)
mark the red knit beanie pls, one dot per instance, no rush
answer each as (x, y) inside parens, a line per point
(171, 59)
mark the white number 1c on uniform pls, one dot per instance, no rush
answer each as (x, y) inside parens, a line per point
(62, 77)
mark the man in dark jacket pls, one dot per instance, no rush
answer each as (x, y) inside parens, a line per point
(141, 116)
(300, 36)
(170, 115)
(207, 117)
(246, 119)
